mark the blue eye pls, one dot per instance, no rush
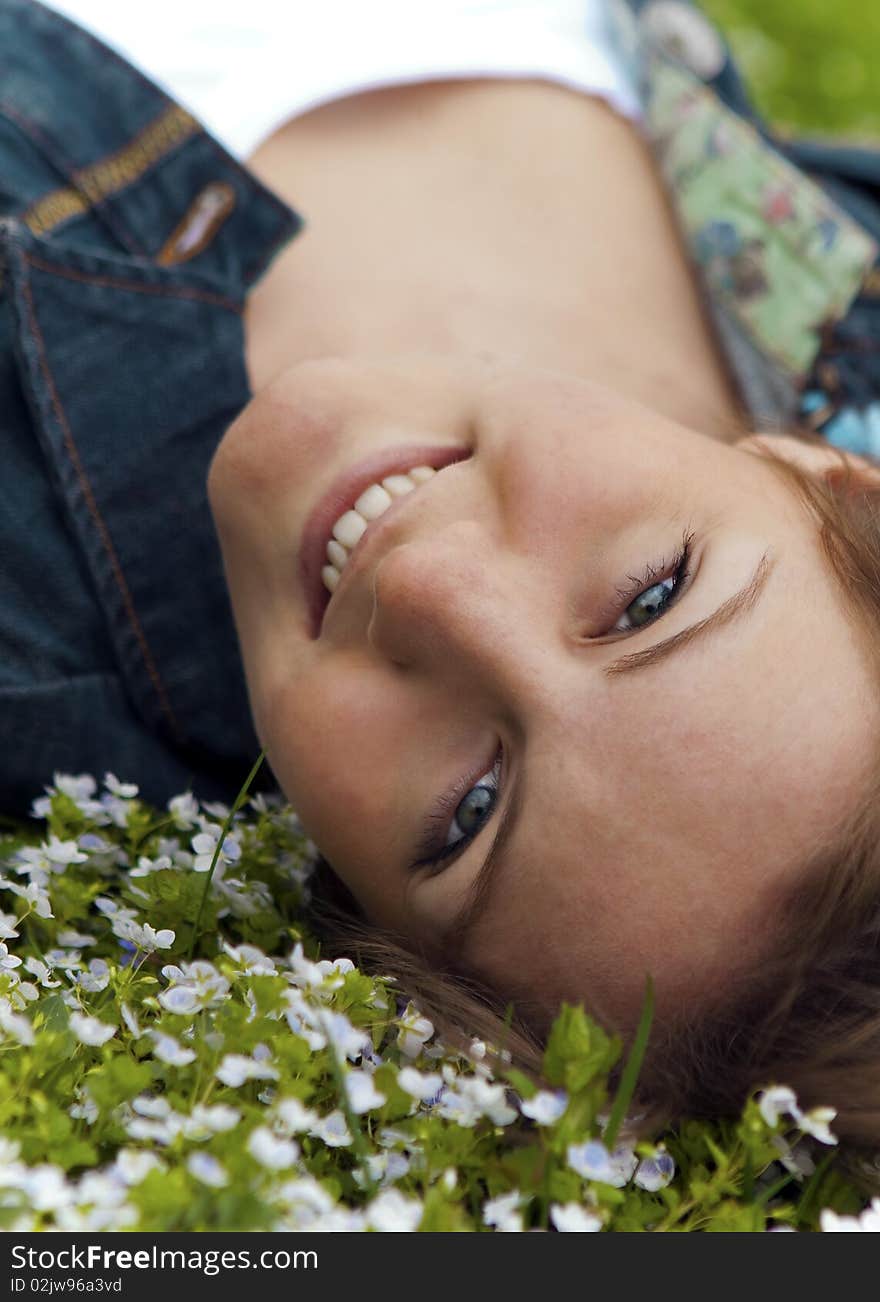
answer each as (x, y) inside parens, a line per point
(452, 826)
(649, 598)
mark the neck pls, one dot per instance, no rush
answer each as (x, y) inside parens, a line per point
(503, 218)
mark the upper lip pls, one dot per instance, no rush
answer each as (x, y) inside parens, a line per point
(341, 496)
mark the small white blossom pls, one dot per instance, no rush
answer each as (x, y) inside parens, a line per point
(89, 1030)
(179, 999)
(7, 926)
(503, 1212)
(124, 790)
(332, 1129)
(184, 809)
(571, 1218)
(421, 1085)
(47, 1188)
(653, 1173)
(295, 1116)
(593, 1161)
(362, 1093)
(7, 961)
(70, 939)
(41, 972)
(205, 846)
(391, 1212)
(169, 1050)
(14, 1025)
(270, 1151)
(132, 1165)
(235, 1069)
(414, 1032)
(130, 1021)
(207, 1169)
(779, 1099)
(215, 1119)
(96, 978)
(867, 1222)
(544, 1107)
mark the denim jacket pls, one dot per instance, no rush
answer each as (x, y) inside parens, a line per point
(129, 239)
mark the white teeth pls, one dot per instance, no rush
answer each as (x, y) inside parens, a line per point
(373, 503)
(397, 485)
(336, 553)
(348, 528)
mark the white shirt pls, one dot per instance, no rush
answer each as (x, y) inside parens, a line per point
(245, 69)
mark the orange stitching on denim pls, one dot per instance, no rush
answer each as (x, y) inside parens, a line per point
(110, 175)
(112, 282)
(92, 505)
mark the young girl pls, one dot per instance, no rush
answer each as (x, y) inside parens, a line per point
(570, 674)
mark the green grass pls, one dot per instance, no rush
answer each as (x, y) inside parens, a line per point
(811, 65)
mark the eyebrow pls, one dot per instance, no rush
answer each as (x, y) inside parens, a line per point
(735, 607)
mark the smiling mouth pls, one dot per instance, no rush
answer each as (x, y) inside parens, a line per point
(342, 519)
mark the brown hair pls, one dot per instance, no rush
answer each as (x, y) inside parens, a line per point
(810, 1018)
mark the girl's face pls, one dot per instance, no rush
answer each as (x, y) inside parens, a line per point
(582, 702)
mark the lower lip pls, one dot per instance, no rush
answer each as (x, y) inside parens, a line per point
(340, 497)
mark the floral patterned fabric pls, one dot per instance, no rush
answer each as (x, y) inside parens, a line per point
(784, 235)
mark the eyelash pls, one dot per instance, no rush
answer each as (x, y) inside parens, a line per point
(437, 823)
(678, 569)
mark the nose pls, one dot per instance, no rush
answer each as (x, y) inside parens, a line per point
(451, 604)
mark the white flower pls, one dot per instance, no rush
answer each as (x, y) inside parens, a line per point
(362, 1093)
(179, 999)
(544, 1107)
(867, 1222)
(145, 937)
(571, 1218)
(816, 1123)
(130, 1020)
(215, 1119)
(421, 1085)
(169, 1050)
(47, 1188)
(414, 1032)
(33, 895)
(14, 1024)
(124, 790)
(89, 1030)
(146, 866)
(593, 1161)
(62, 853)
(70, 939)
(235, 1069)
(384, 1168)
(503, 1213)
(475, 1098)
(97, 978)
(295, 1116)
(270, 1151)
(7, 926)
(207, 1169)
(253, 961)
(204, 984)
(324, 974)
(305, 1199)
(391, 1212)
(653, 1173)
(41, 972)
(332, 1129)
(776, 1100)
(78, 788)
(7, 961)
(184, 809)
(132, 1165)
(205, 846)
(152, 1105)
(347, 1040)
